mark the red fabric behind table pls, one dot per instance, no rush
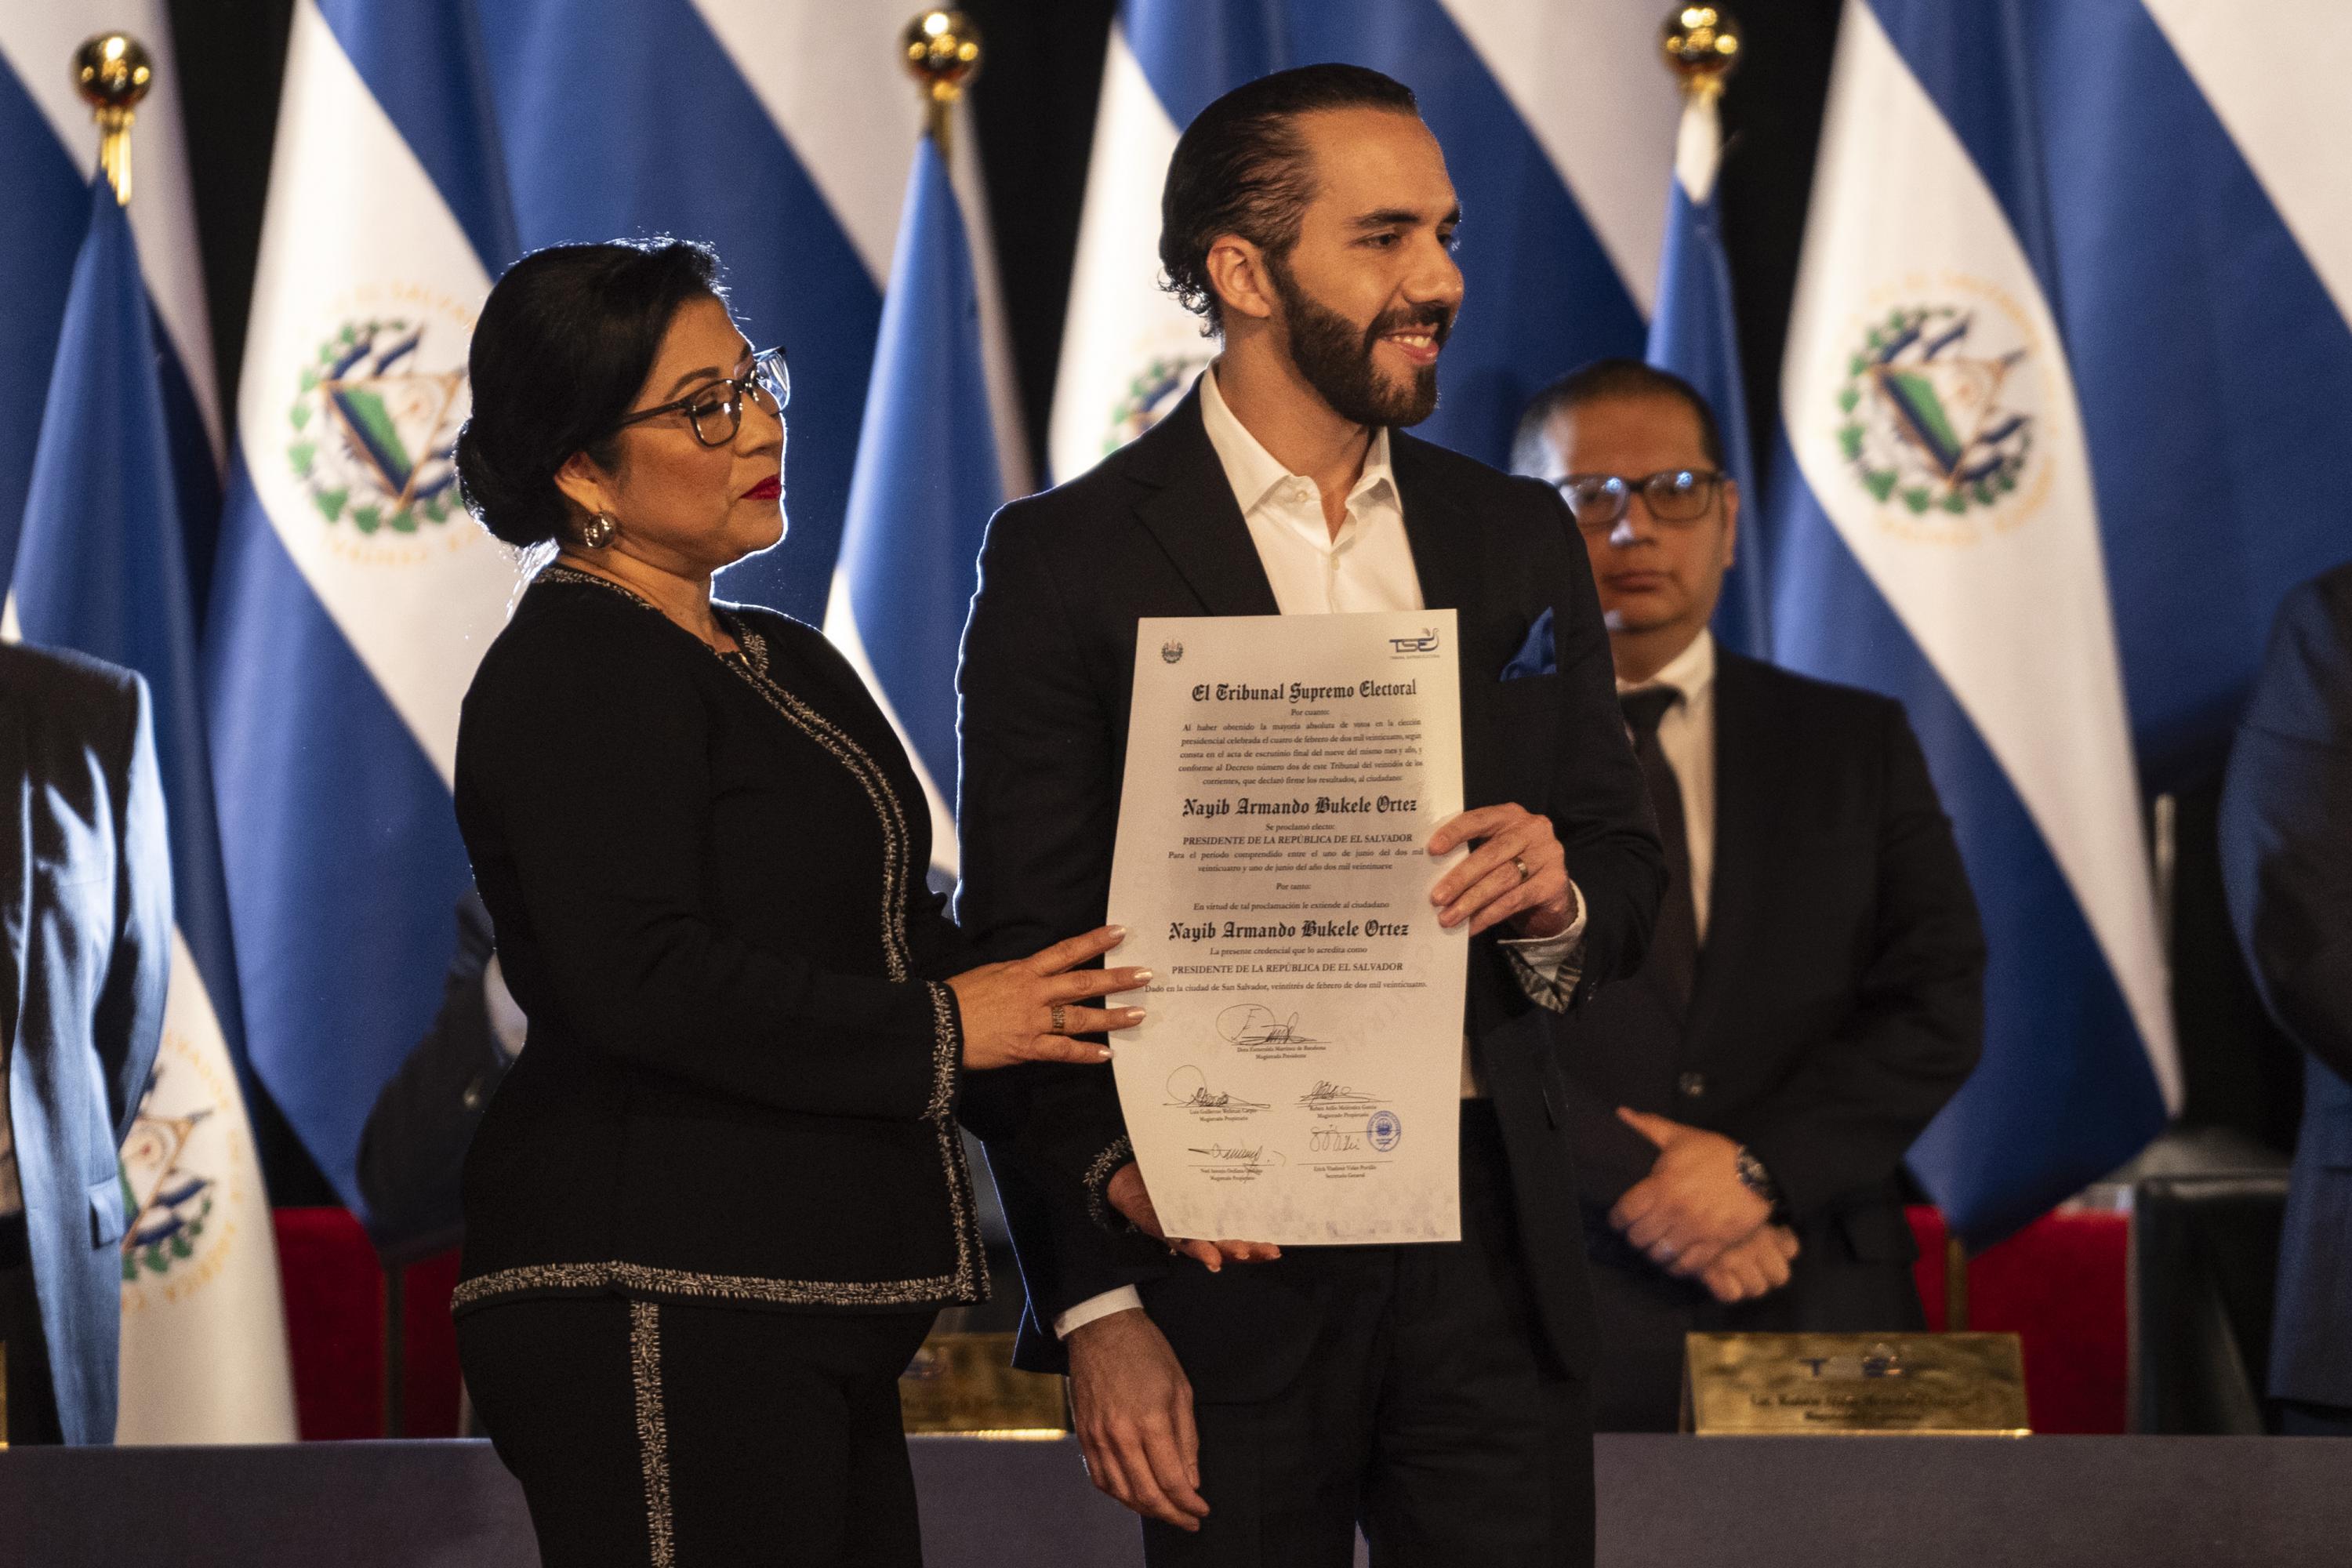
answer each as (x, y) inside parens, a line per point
(334, 1287)
(2058, 1284)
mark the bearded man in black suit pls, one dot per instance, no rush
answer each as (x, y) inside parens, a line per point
(1814, 992)
(1437, 1394)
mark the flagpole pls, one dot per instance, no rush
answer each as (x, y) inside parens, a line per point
(112, 73)
(942, 49)
(1701, 46)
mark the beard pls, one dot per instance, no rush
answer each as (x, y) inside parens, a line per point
(1335, 355)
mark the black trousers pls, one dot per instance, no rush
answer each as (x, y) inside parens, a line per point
(678, 1436)
(32, 1398)
(1430, 1411)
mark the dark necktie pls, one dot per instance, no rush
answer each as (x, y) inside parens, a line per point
(1673, 963)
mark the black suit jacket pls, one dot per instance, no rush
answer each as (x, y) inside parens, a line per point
(1048, 663)
(1840, 998)
(709, 899)
(2286, 861)
(86, 906)
(414, 1144)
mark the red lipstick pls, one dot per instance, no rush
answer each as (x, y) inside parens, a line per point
(768, 488)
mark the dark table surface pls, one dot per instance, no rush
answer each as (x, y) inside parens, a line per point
(1923, 1502)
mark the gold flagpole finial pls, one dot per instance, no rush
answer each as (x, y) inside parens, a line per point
(942, 53)
(1701, 44)
(112, 73)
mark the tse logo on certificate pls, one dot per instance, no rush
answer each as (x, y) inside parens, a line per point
(1297, 1076)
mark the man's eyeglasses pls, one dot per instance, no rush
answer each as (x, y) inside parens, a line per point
(716, 411)
(1674, 496)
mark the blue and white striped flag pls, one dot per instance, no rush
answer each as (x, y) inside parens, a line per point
(779, 131)
(48, 147)
(1694, 333)
(101, 567)
(353, 594)
(2200, 236)
(927, 480)
(1938, 538)
(1558, 154)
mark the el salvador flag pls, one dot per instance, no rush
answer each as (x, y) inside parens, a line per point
(1694, 333)
(1939, 536)
(927, 481)
(48, 145)
(101, 567)
(2205, 290)
(2049, 410)
(779, 131)
(1558, 154)
(353, 594)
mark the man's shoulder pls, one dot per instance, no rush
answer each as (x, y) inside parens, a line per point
(2305, 688)
(60, 685)
(2318, 611)
(1077, 504)
(1462, 476)
(1804, 704)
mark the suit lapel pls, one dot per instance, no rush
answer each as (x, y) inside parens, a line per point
(1433, 525)
(1189, 507)
(1445, 544)
(1743, 835)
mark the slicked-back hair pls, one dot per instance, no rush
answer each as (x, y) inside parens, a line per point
(1241, 167)
(1603, 378)
(560, 349)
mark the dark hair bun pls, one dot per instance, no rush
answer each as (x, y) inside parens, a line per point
(564, 342)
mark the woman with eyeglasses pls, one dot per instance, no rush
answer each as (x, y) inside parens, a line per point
(716, 1204)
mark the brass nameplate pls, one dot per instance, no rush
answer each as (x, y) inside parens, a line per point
(966, 1383)
(1773, 1384)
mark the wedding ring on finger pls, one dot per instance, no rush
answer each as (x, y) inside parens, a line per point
(1525, 869)
(1061, 1017)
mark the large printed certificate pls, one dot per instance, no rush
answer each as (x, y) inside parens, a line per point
(1297, 1076)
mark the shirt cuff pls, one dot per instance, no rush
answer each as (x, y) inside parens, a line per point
(1549, 967)
(1125, 1299)
(507, 1024)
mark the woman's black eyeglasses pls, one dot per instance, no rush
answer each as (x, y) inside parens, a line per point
(716, 411)
(1674, 496)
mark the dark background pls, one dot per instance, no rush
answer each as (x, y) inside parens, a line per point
(1033, 106)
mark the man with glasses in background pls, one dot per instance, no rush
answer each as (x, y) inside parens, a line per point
(1813, 994)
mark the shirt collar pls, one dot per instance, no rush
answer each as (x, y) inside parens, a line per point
(1690, 672)
(1254, 472)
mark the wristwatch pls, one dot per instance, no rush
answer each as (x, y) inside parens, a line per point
(1756, 1178)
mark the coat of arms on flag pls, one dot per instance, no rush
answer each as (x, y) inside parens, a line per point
(375, 426)
(1937, 412)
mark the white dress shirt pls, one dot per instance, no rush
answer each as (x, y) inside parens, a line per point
(1367, 565)
(1686, 736)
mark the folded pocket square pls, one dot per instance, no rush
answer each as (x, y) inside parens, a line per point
(1535, 655)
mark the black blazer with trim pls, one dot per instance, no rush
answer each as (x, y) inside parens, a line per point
(1048, 663)
(1839, 999)
(86, 904)
(706, 877)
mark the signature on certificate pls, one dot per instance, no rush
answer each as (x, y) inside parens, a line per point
(1236, 1155)
(1328, 1095)
(1255, 1024)
(1188, 1088)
